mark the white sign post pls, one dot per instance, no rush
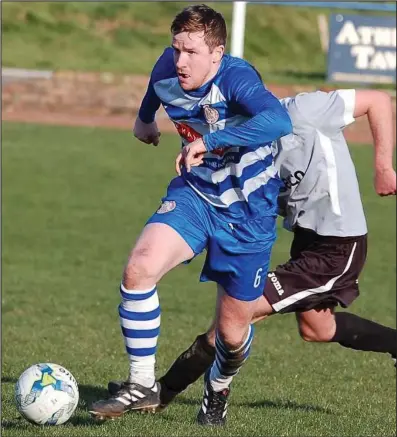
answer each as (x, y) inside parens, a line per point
(238, 29)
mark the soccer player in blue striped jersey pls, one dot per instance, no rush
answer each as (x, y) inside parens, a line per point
(321, 205)
(227, 205)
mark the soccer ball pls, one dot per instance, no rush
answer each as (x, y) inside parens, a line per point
(46, 394)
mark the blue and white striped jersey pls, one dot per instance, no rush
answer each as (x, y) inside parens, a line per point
(238, 118)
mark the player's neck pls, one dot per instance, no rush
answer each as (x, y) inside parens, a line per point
(210, 76)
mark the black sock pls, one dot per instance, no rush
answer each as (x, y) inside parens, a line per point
(190, 365)
(357, 333)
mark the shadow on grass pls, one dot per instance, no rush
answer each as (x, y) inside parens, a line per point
(286, 405)
(278, 404)
(90, 394)
(75, 420)
(8, 379)
(18, 422)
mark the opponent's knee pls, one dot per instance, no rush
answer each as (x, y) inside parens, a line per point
(309, 334)
(317, 325)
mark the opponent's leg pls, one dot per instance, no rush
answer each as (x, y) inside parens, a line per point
(347, 329)
(158, 250)
(317, 325)
(186, 369)
(357, 333)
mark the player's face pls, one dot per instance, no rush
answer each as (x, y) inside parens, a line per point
(195, 63)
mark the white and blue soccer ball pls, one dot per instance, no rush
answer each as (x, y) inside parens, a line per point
(46, 394)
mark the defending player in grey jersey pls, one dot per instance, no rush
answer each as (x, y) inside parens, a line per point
(321, 205)
(321, 188)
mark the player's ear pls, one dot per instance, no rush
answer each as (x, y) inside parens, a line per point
(218, 53)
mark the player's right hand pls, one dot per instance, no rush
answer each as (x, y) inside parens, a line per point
(385, 182)
(148, 133)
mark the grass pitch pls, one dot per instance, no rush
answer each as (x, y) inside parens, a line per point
(74, 200)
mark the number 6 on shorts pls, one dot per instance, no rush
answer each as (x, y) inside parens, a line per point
(258, 277)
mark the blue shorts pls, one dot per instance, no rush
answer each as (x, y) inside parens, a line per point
(238, 255)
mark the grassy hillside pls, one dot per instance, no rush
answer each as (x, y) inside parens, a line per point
(282, 42)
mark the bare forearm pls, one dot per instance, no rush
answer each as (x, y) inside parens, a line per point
(377, 105)
(380, 118)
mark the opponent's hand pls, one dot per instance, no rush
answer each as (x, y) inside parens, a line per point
(148, 133)
(190, 156)
(385, 182)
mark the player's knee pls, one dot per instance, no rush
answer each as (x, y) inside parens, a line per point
(231, 339)
(140, 272)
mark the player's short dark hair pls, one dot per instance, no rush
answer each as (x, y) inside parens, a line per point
(202, 18)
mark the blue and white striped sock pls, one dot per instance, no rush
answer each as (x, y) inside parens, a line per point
(228, 362)
(140, 323)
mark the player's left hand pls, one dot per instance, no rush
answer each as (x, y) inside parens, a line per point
(190, 155)
(385, 182)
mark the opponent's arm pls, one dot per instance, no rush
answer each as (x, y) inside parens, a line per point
(331, 112)
(377, 105)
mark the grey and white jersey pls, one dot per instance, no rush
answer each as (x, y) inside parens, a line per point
(321, 189)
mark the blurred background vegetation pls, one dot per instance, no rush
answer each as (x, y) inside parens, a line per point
(282, 42)
(127, 37)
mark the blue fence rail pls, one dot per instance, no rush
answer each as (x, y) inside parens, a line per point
(362, 6)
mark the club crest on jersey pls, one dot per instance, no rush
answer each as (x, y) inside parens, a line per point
(211, 114)
(167, 206)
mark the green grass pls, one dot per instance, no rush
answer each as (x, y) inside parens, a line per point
(74, 200)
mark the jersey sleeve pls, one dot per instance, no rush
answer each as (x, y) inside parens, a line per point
(151, 102)
(247, 93)
(249, 97)
(329, 112)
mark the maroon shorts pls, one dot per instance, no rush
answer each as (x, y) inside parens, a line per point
(322, 272)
